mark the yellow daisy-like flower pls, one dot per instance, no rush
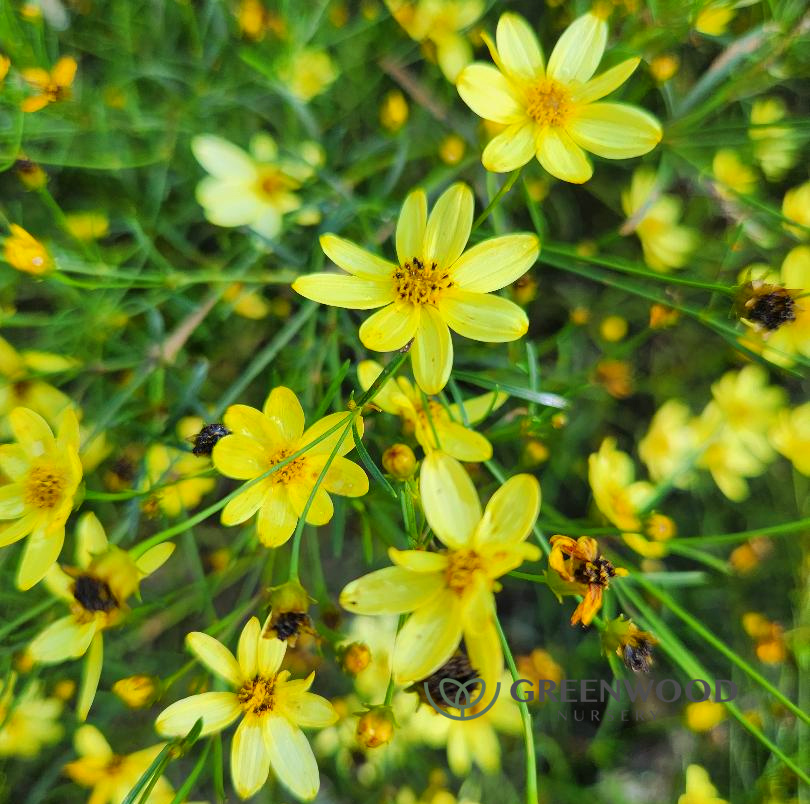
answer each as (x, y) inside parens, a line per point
(790, 435)
(96, 591)
(25, 253)
(400, 398)
(308, 73)
(50, 86)
(178, 475)
(28, 723)
(450, 593)
(262, 438)
(111, 776)
(551, 111)
(776, 148)
(796, 207)
(699, 788)
(434, 285)
(669, 442)
(733, 174)
(45, 472)
(273, 710)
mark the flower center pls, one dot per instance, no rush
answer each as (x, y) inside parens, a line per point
(93, 594)
(419, 283)
(256, 696)
(289, 471)
(548, 103)
(462, 566)
(271, 182)
(44, 487)
(773, 309)
(597, 572)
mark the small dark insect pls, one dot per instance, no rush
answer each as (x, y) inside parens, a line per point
(766, 306)
(638, 656)
(93, 594)
(206, 439)
(288, 626)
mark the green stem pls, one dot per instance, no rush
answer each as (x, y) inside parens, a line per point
(505, 188)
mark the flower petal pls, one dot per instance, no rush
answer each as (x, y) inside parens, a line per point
(250, 762)
(462, 443)
(284, 410)
(271, 655)
(418, 560)
(154, 558)
(411, 226)
(321, 508)
(90, 742)
(221, 158)
(450, 500)
(309, 710)
(63, 639)
(91, 539)
(482, 316)
(482, 641)
(291, 756)
(11, 501)
(579, 50)
(14, 531)
(512, 148)
(215, 656)
(391, 328)
(449, 224)
(489, 94)
(245, 504)
(39, 555)
(91, 673)
(217, 709)
(390, 397)
(432, 352)
(247, 651)
(605, 82)
(615, 130)
(511, 512)
(562, 157)
(392, 590)
(243, 420)
(518, 48)
(339, 290)
(346, 478)
(324, 425)
(240, 457)
(277, 517)
(31, 431)
(14, 462)
(356, 260)
(795, 271)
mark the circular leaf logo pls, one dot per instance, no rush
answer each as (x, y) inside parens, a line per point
(463, 699)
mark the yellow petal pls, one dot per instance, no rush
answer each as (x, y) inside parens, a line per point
(512, 148)
(217, 710)
(428, 639)
(240, 457)
(14, 531)
(411, 226)
(324, 425)
(432, 352)
(309, 710)
(454, 53)
(448, 226)
(345, 478)
(796, 270)
(418, 560)
(31, 431)
(391, 328)
(389, 398)
(615, 130)
(68, 438)
(250, 762)
(14, 462)
(245, 504)
(489, 94)
(222, 159)
(91, 673)
(518, 48)
(483, 316)
(463, 444)
(63, 639)
(91, 539)
(479, 407)
(511, 512)
(321, 509)
(291, 757)
(450, 500)
(36, 76)
(284, 410)
(247, 651)
(242, 420)
(605, 82)
(339, 290)
(562, 157)
(34, 103)
(39, 555)
(277, 517)
(215, 656)
(11, 500)
(355, 260)
(270, 655)
(64, 71)
(154, 558)
(392, 590)
(579, 50)
(482, 641)
(90, 742)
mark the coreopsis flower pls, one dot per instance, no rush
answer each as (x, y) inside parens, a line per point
(259, 440)
(775, 147)
(665, 243)
(554, 112)
(440, 23)
(434, 285)
(50, 86)
(669, 447)
(87, 226)
(732, 174)
(177, 478)
(450, 593)
(25, 253)
(779, 313)
(255, 189)
(704, 715)
(632, 645)
(769, 637)
(96, 590)
(308, 73)
(790, 435)
(112, 776)
(272, 710)
(433, 425)
(583, 570)
(44, 473)
(699, 789)
(796, 207)
(29, 721)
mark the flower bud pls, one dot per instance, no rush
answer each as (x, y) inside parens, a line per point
(376, 727)
(137, 692)
(399, 461)
(355, 657)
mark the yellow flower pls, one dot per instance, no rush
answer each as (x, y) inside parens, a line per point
(796, 207)
(393, 111)
(255, 189)
(45, 473)
(550, 111)
(51, 86)
(440, 22)
(450, 593)
(699, 789)
(732, 174)
(29, 721)
(713, 18)
(427, 423)
(87, 226)
(669, 443)
(177, 476)
(308, 73)
(273, 709)
(775, 147)
(137, 691)
(5, 64)
(26, 253)
(247, 303)
(790, 435)
(435, 285)
(665, 243)
(96, 592)
(262, 438)
(112, 776)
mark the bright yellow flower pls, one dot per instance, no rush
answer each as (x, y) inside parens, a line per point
(669, 443)
(45, 473)
(393, 111)
(796, 207)
(273, 710)
(178, 476)
(247, 303)
(450, 593)
(665, 243)
(775, 147)
(714, 17)
(790, 435)
(262, 438)
(550, 111)
(309, 73)
(51, 86)
(399, 397)
(435, 285)
(731, 173)
(26, 253)
(440, 22)
(96, 590)
(699, 789)
(28, 722)
(255, 189)
(87, 226)
(112, 776)
(5, 64)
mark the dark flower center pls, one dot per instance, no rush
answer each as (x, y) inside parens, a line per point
(93, 594)
(773, 309)
(597, 572)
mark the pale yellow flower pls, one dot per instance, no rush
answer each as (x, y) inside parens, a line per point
(732, 174)
(790, 435)
(552, 111)
(775, 147)
(668, 444)
(796, 207)
(28, 722)
(699, 789)
(308, 73)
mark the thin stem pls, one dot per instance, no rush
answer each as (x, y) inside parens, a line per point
(505, 188)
